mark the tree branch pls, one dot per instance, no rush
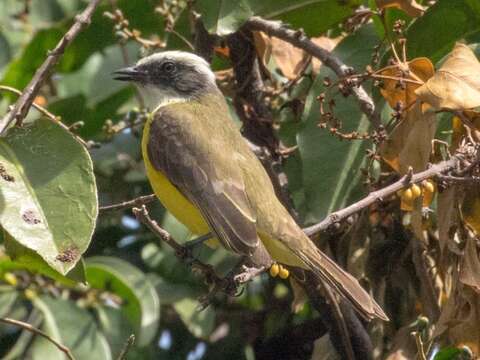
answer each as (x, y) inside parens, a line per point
(139, 201)
(229, 284)
(299, 39)
(36, 331)
(126, 347)
(48, 114)
(22, 106)
(382, 194)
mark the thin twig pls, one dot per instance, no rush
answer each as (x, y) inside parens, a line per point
(139, 201)
(382, 194)
(299, 39)
(126, 61)
(34, 330)
(48, 114)
(228, 284)
(181, 252)
(22, 106)
(128, 344)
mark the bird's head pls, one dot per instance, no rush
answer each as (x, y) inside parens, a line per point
(169, 77)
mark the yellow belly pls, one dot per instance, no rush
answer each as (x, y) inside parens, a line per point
(172, 199)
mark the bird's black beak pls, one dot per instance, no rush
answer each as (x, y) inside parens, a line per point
(128, 74)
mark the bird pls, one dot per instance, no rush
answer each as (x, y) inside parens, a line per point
(204, 172)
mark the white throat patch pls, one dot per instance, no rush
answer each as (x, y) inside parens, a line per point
(156, 97)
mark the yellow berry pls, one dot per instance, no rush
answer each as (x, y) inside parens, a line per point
(274, 270)
(428, 186)
(400, 193)
(407, 195)
(30, 294)
(416, 191)
(10, 278)
(283, 273)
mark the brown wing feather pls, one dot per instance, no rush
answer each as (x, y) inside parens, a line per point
(187, 162)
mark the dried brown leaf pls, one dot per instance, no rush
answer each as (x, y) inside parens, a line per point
(289, 59)
(470, 271)
(403, 345)
(447, 216)
(419, 70)
(300, 297)
(460, 318)
(409, 144)
(411, 7)
(456, 85)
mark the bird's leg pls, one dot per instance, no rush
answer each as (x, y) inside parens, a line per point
(190, 245)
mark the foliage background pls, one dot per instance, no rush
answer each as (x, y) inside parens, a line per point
(136, 284)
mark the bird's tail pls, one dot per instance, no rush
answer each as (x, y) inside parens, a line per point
(341, 281)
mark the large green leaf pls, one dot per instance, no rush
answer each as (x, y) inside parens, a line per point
(331, 167)
(445, 22)
(142, 304)
(115, 326)
(73, 327)
(314, 16)
(48, 199)
(22, 258)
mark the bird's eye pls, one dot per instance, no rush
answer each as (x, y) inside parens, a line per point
(168, 67)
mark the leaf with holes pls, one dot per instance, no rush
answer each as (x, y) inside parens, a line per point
(48, 196)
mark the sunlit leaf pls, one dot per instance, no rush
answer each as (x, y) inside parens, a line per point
(456, 85)
(48, 196)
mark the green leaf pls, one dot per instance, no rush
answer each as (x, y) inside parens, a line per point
(330, 167)
(142, 304)
(70, 325)
(307, 14)
(226, 16)
(19, 72)
(115, 326)
(199, 323)
(48, 199)
(22, 258)
(444, 23)
(223, 17)
(450, 353)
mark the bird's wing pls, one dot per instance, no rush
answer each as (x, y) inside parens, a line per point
(210, 181)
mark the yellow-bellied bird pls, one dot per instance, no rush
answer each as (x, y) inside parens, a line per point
(205, 174)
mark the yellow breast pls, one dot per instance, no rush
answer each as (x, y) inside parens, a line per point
(173, 200)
